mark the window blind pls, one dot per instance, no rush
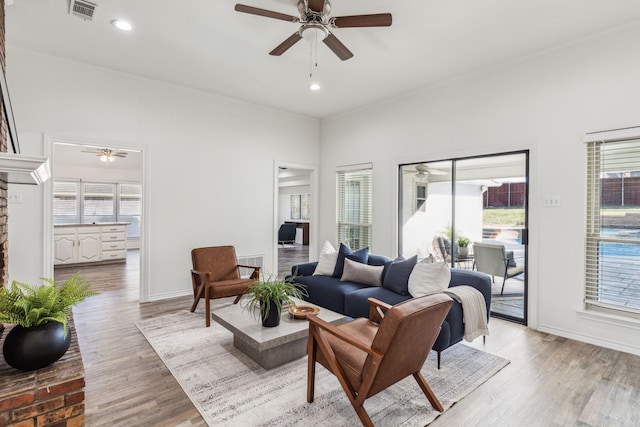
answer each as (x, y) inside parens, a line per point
(612, 268)
(355, 194)
(98, 202)
(130, 208)
(66, 203)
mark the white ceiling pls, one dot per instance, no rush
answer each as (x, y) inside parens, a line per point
(206, 45)
(76, 155)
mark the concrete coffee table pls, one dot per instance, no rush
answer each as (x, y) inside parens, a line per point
(270, 347)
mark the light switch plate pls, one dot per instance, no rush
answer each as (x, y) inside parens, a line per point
(14, 196)
(551, 201)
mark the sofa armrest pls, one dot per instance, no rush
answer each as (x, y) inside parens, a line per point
(475, 279)
(305, 269)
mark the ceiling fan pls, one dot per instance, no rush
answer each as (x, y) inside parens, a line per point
(315, 23)
(107, 154)
(423, 171)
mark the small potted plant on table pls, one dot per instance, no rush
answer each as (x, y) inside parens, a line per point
(40, 314)
(269, 296)
(463, 246)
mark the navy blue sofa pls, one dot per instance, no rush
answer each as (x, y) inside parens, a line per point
(350, 298)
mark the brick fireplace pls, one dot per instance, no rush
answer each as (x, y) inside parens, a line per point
(51, 396)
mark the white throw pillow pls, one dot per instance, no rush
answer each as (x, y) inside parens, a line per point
(429, 278)
(362, 273)
(327, 260)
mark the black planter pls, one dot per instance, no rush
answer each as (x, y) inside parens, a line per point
(33, 348)
(273, 319)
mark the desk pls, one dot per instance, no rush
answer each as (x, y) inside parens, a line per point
(305, 230)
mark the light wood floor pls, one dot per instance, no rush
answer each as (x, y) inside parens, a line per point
(551, 381)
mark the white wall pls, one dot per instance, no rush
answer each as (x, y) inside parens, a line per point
(26, 250)
(198, 150)
(284, 196)
(545, 103)
(86, 173)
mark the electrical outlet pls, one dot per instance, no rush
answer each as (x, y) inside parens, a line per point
(14, 196)
(551, 201)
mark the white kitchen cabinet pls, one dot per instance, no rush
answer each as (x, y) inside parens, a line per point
(86, 243)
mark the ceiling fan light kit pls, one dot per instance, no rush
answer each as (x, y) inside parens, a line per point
(107, 154)
(315, 24)
(313, 32)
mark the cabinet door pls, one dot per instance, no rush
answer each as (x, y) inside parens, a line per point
(65, 249)
(89, 247)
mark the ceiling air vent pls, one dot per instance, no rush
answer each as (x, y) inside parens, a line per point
(82, 8)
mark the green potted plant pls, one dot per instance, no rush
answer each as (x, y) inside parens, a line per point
(40, 314)
(463, 246)
(269, 295)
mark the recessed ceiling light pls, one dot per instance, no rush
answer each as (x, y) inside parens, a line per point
(122, 25)
(314, 86)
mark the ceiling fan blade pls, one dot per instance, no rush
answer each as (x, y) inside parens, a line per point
(285, 45)
(376, 20)
(316, 5)
(337, 47)
(263, 12)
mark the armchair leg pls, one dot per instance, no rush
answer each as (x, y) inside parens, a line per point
(207, 307)
(438, 353)
(235, 301)
(196, 298)
(311, 373)
(428, 392)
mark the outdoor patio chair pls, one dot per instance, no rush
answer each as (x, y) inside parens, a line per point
(493, 259)
(216, 274)
(369, 355)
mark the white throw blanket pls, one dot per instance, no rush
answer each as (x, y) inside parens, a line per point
(474, 310)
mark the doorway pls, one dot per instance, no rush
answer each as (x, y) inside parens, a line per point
(470, 212)
(295, 200)
(97, 184)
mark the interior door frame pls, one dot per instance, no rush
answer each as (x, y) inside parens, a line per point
(48, 252)
(313, 190)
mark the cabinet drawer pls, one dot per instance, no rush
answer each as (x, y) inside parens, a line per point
(115, 245)
(60, 231)
(111, 237)
(114, 228)
(118, 254)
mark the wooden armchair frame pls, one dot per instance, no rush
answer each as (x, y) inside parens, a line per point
(320, 333)
(215, 284)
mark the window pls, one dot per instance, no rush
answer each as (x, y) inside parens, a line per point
(76, 202)
(613, 226)
(130, 208)
(98, 203)
(421, 196)
(355, 191)
(66, 203)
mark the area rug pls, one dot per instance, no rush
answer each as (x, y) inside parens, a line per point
(230, 389)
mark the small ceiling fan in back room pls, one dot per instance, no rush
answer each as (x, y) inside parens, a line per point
(315, 24)
(106, 154)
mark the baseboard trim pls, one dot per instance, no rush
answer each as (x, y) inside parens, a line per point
(614, 345)
(168, 295)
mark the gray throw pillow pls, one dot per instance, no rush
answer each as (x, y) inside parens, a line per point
(354, 271)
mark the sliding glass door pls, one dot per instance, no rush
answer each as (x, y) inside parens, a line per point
(472, 214)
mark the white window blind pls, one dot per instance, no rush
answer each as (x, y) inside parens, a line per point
(612, 276)
(66, 203)
(130, 208)
(98, 202)
(355, 194)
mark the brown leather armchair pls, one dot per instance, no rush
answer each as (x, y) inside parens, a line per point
(216, 274)
(369, 355)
